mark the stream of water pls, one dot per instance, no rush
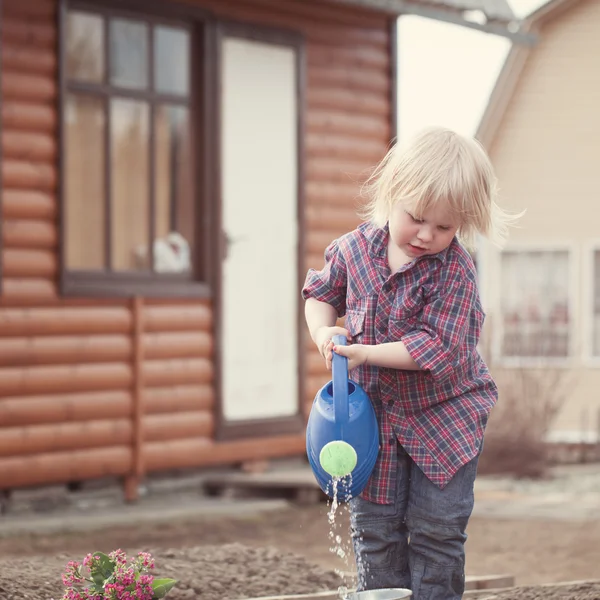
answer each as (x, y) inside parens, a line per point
(340, 539)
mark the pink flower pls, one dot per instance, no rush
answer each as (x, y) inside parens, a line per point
(114, 591)
(144, 561)
(125, 577)
(88, 560)
(127, 581)
(72, 574)
(118, 556)
(143, 588)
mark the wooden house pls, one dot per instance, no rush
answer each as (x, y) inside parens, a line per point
(169, 172)
(542, 292)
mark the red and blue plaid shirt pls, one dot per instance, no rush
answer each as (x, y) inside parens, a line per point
(432, 305)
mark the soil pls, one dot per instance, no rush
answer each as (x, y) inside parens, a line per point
(209, 572)
(581, 591)
(293, 546)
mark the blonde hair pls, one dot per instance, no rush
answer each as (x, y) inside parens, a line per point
(440, 166)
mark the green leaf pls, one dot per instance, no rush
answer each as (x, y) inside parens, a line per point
(98, 579)
(97, 587)
(105, 565)
(161, 587)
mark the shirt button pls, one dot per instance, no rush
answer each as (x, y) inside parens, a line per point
(391, 441)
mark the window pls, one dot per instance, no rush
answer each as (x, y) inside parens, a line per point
(129, 196)
(596, 304)
(534, 304)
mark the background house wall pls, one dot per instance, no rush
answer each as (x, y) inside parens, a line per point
(119, 387)
(542, 132)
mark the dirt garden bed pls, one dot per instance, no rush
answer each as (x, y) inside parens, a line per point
(231, 572)
(570, 591)
(209, 572)
(233, 556)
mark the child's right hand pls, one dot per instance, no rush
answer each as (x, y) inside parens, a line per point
(323, 341)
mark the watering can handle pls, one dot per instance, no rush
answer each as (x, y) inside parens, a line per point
(339, 370)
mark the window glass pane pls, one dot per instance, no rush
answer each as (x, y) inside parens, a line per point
(596, 316)
(85, 47)
(128, 54)
(171, 60)
(174, 217)
(84, 183)
(535, 303)
(129, 184)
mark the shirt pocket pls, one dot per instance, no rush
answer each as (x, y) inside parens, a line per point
(355, 323)
(406, 312)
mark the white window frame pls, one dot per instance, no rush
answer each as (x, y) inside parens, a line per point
(588, 285)
(573, 296)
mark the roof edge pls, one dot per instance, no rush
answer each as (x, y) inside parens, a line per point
(497, 23)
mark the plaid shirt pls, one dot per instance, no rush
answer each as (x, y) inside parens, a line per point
(432, 305)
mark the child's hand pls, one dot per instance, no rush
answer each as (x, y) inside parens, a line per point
(323, 341)
(356, 354)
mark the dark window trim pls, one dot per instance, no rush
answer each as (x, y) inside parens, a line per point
(150, 284)
(293, 424)
(125, 284)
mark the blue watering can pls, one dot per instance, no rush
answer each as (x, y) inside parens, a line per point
(342, 436)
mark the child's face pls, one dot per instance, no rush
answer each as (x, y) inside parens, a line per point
(430, 235)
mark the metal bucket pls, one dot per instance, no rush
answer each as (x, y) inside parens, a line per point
(381, 594)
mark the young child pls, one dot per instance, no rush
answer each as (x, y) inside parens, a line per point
(408, 290)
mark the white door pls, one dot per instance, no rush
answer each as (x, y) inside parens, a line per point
(260, 195)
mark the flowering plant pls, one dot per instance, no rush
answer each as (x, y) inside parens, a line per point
(111, 577)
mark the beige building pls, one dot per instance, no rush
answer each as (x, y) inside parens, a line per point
(542, 292)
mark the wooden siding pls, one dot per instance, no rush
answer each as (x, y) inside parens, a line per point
(545, 151)
(75, 373)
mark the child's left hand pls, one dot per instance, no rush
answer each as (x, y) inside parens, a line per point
(356, 354)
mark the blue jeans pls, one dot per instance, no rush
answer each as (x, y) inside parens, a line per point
(432, 563)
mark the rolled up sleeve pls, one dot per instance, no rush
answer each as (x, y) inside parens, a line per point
(329, 284)
(449, 324)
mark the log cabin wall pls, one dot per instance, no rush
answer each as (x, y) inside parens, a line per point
(95, 388)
